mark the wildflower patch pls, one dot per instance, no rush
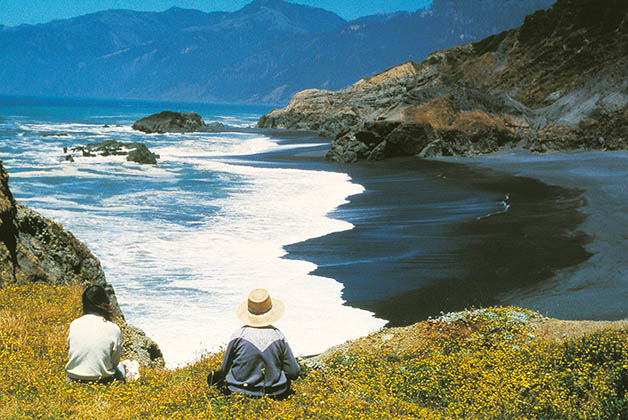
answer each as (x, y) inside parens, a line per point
(477, 364)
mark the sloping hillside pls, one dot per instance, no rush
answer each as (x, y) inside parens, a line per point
(499, 363)
(557, 82)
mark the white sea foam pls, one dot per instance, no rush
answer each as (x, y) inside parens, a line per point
(505, 207)
(75, 128)
(234, 121)
(180, 282)
(65, 202)
(110, 166)
(213, 267)
(212, 145)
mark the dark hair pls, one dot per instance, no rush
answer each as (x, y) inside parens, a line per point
(96, 301)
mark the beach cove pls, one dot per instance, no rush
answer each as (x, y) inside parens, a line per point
(598, 287)
(545, 232)
(391, 243)
(482, 233)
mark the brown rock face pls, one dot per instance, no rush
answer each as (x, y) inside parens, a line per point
(8, 231)
(437, 128)
(608, 132)
(535, 84)
(35, 249)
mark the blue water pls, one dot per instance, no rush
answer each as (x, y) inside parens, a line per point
(183, 241)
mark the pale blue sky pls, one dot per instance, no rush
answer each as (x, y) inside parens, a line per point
(15, 12)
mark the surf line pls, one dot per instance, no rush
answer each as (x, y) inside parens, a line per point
(504, 203)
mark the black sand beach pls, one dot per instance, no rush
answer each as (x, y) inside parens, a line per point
(434, 236)
(598, 288)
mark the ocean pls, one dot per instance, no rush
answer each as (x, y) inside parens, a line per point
(183, 241)
(348, 250)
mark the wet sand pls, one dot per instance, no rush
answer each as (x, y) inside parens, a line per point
(433, 236)
(597, 288)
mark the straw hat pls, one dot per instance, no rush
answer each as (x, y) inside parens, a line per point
(259, 310)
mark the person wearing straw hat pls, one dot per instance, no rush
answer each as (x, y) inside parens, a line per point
(258, 360)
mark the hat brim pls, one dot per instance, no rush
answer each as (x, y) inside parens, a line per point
(276, 312)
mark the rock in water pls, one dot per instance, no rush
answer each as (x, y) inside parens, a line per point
(135, 152)
(170, 122)
(142, 155)
(214, 126)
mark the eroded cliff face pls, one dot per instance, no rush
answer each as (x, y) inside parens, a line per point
(35, 249)
(560, 81)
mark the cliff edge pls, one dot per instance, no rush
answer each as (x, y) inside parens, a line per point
(558, 82)
(34, 249)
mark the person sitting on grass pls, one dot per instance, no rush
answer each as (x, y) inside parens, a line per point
(258, 360)
(94, 342)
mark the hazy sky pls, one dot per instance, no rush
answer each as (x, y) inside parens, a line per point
(15, 12)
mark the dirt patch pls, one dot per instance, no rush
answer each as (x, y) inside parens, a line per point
(549, 329)
(400, 341)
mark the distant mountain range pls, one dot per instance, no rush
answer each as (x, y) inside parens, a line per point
(262, 53)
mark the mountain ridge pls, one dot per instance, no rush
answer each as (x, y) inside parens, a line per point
(254, 55)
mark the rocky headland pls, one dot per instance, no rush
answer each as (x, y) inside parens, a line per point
(35, 249)
(558, 82)
(175, 122)
(134, 152)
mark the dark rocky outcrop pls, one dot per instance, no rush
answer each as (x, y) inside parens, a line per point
(440, 127)
(142, 155)
(214, 126)
(55, 135)
(35, 249)
(560, 81)
(134, 152)
(170, 122)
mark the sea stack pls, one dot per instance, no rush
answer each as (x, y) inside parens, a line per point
(170, 122)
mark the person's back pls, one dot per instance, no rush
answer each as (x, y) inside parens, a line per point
(94, 342)
(258, 360)
(94, 348)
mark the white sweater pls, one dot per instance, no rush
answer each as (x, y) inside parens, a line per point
(94, 348)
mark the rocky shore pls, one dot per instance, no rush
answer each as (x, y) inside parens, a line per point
(558, 82)
(34, 249)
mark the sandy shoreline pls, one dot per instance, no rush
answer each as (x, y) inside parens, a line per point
(598, 287)
(560, 248)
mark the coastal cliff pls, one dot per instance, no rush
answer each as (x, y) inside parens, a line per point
(558, 82)
(34, 249)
